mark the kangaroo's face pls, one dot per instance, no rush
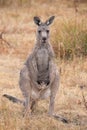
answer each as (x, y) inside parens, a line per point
(43, 33)
(43, 29)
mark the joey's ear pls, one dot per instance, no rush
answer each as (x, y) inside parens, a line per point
(37, 21)
(50, 20)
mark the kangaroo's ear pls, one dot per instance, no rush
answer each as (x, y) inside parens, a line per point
(37, 21)
(50, 20)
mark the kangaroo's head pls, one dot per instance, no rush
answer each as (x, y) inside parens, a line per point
(43, 29)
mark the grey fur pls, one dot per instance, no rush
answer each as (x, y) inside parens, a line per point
(39, 78)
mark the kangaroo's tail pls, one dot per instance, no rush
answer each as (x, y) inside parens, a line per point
(13, 99)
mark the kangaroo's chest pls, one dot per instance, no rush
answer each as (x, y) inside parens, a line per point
(42, 57)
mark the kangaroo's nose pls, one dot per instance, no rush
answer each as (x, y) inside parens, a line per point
(44, 38)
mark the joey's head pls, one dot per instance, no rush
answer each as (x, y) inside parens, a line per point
(43, 29)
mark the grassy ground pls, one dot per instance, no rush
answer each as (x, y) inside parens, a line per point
(71, 99)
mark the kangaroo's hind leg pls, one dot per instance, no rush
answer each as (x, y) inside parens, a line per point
(33, 105)
(25, 87)
(54, 88)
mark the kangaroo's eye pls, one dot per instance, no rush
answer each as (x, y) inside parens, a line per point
(39, 31)
(47, 31)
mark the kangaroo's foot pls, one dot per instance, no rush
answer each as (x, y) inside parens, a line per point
(58, 117)
(64, 120)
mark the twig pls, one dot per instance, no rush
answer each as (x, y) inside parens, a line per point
(6, 42)
(76, 5)
(84, 100)
(1, 38)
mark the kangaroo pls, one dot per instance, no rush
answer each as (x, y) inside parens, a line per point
(39, 78)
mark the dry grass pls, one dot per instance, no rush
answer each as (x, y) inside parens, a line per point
(19, 31)
(70, 38)
(69, 100)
